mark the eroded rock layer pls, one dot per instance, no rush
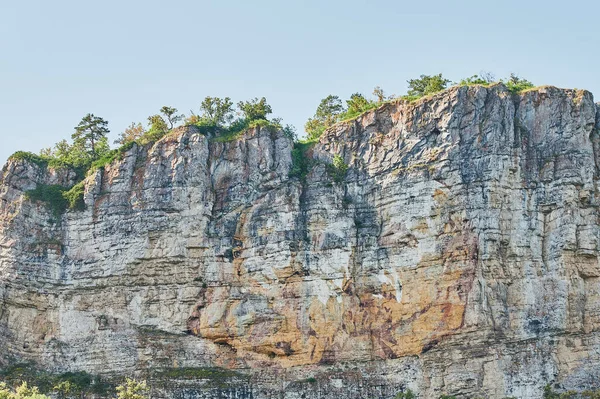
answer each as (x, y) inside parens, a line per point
(458, 254)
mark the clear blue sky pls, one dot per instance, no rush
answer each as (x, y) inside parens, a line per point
(123, 60)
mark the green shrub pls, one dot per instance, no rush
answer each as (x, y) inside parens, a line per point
(550, 394)
(328, 112)
(255, 109)
(301, 163)
(475, 80)
(65, 385)
(426, 85)
(357, 105)
(21, 392)
(408, 394)
(516, 85)
(74, 197)
(111, 156)
(132, 389)
(51, 195)
(39, 160)
(337, 170)
(591, 394)
(58, 198)
(207, 127)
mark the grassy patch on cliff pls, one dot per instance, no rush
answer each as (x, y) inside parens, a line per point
(111, 156)
(301, 162)
(58, 198)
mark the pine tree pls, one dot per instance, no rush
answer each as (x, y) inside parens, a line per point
(90, 135)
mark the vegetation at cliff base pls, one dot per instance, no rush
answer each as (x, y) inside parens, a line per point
(65, 385)
(132, 389)
(23, 391)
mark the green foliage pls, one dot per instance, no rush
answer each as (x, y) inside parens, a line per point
(58, 198)
(30, 157)
(112, 155)
(218, 111)
(52, 195)
(327, 114)
(289, 131)
(74, 196)
(228, 135)
(475, 80)
(132, 389)
(516, 85)
(337, 169)
(90, 137)
(357, 104)
(21, 392)
(328, 110)
(301, 163)
(426, 85)
(171, 114)
(380, 95)
(132, 133)
(158, 128)
(206, 126)
(550, 394)
(408, 394)
(64, 385)
(255, 109)
(314, 128)
(447, 397)
(590, 394)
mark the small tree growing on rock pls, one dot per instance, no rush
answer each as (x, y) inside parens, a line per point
(426, 85)
(90, 136)
(255, 109)
(171, 114)
(326, 115)
(131, 133)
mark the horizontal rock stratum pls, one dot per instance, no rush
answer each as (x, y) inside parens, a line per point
(457, 255)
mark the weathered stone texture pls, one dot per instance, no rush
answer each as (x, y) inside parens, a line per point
(459, 255)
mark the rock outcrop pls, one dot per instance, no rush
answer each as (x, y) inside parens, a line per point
(457, 255)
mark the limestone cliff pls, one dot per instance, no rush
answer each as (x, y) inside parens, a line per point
(458, 254)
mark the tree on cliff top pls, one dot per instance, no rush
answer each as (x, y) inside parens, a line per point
(90, 137)
(171, 114)
(427, 85)
(255, 109)
(326, 115)
(132, 133)
(516, 84)
(217, 111)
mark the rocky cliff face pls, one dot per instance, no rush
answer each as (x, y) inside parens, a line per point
(458, 254)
